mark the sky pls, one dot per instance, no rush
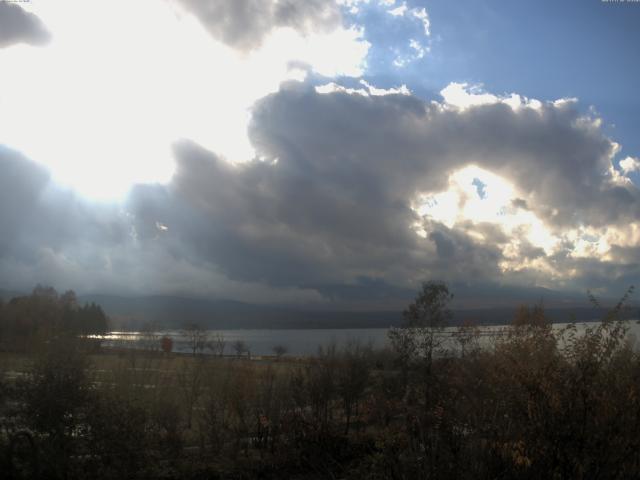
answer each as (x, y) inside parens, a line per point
(324, 153)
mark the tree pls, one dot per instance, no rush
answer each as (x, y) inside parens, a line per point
(467, 338)
(196, 337)
(239, 346)
(321, 383)
(92, 320)
(421, 337)
(279, 351)
(53, 397)
(3, 326)
(45, 292)
(217, 345)
(166, 344)
(353, 377)
(533, 317)
(69, 299)
(149, 338)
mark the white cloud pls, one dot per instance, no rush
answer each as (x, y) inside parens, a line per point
(423, 16)
(400, 62)
(369, 89)
(398, 11)
(463, 96)
(333, 87)
(353, 6)
(420, 49)
(401, 90)
(630, 164)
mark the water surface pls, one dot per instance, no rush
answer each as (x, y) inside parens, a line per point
(300, 342)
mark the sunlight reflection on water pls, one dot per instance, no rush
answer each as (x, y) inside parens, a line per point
(302, 342)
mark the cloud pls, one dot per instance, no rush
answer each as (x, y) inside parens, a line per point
(556, 157)
(398, 11)
(41, 222)
(463, 95)
(343, 192)
(21, 183)
(332, 199)
(417, 13)
(331, 205)
(244, 24)
(422, 15)
(188, 86)
(630, 164)
(51, 236)
(20, 26)
(366, 89)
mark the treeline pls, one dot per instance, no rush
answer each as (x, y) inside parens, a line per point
(45, 314)
(535, 403)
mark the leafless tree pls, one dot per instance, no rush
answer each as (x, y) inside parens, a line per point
(280, 350)
(240, 347)
(217, 344)
(196, 337)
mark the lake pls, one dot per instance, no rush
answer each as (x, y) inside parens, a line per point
(298, 342)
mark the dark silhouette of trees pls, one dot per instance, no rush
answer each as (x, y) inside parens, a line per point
(28, 320)
(217, 345)
(353, 379)
(196, 336)
(420, 337)
(538, 401)
(280, 350)
(53, 398)
(240, 347)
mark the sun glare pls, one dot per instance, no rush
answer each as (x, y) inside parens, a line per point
(102, 104)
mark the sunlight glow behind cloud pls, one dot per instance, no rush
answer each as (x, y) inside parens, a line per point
(462, 204)
(360, 176)
(102, 104)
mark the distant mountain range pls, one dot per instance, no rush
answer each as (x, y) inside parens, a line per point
(176, 312)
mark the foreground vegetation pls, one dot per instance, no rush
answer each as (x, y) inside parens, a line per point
(537, 403)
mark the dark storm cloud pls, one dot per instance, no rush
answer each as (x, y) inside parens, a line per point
(19, 26)
(36, 214)
(275, 225)
(329, 205)
(528, 251)
(21, 184)
(611, 277)
(397, 146)
(330, 201)
(460, 256)
(243, 24)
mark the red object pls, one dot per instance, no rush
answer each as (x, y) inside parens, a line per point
(166, 343)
